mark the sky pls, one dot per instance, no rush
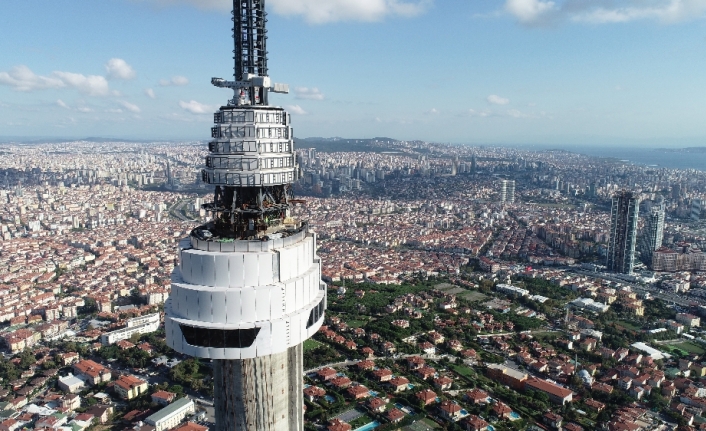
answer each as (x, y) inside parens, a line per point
(511, 72)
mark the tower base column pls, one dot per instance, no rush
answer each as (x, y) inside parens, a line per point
(263, 394)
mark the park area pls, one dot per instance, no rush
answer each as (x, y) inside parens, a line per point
(684, 348)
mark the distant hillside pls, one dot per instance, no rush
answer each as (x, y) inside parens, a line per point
(696, 150)
(332, 145)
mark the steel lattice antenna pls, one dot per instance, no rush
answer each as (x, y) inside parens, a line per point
(252, 82)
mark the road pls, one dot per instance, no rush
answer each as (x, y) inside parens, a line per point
(657, 293)
(353, 362)
(178, 211)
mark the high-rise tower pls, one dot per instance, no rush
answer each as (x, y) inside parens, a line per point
(653, 233)
(507, 191)
(247, 292)
(623, 232)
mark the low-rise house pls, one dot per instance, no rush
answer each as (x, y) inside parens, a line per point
(382, 375)
(129, 387)
(71, 384)
(163, 398)
(399, 384)
(415, 363)
(172, 415)
(358, 392)
(450, 411)
(502, 410)
(341, 382)
(376, 405)
(426, 372)
(70, 402)
(427, 396)
(190, 426)
(443, 383)
(394, 415)
(338, 425)
(313, 393)
(326, 374)
(92, 372)
(475, 423)
(477, 396)
(553, 420)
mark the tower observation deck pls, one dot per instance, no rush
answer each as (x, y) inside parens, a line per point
(247, 291)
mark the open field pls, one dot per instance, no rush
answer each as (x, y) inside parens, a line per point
(311, 345)
(688, 347)
(473, 296)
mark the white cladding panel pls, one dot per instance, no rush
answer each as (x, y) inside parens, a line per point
(252, 269)
(208, 272)
(217, 353)
(233, 306)
(204, 303)
(264, 340)
(263, 303)
(291, 298)
(236, 270)
(265, 267)
(185, 265)
(222, 270)
(279, 334)
(248, 311)
(299, 288)
(277, 297)
(219, 306)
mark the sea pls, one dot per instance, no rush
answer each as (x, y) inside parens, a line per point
(672, 159)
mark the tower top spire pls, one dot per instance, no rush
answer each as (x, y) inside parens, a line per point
(251, 84)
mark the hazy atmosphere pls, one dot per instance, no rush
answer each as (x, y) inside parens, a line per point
(566, 72)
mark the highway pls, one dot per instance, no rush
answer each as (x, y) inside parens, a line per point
(678, 299)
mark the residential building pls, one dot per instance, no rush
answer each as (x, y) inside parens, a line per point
(653, 232)
(172, 415)
(129, 387)
(137, 325)
(507, 191)
(91, 372)
(623, 232)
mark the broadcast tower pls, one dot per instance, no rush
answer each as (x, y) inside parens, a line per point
(247, 292)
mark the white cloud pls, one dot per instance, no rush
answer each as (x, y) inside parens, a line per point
(529, 11)
(150, 93)
(324, 11)
(176, 81)
(118, 68)
(308, 93)
(541, 12)
(482, 114)
(114, 111)
(497, 100)
(296, 110)
(83, 109)
(433, 111)
(21, 78)
(514, 113)
(197, 108)
(92, 85)
(130, 107)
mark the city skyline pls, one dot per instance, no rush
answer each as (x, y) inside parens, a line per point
(444, 72)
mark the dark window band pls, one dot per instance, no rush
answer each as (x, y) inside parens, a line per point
(316, 314)
(219, 338)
